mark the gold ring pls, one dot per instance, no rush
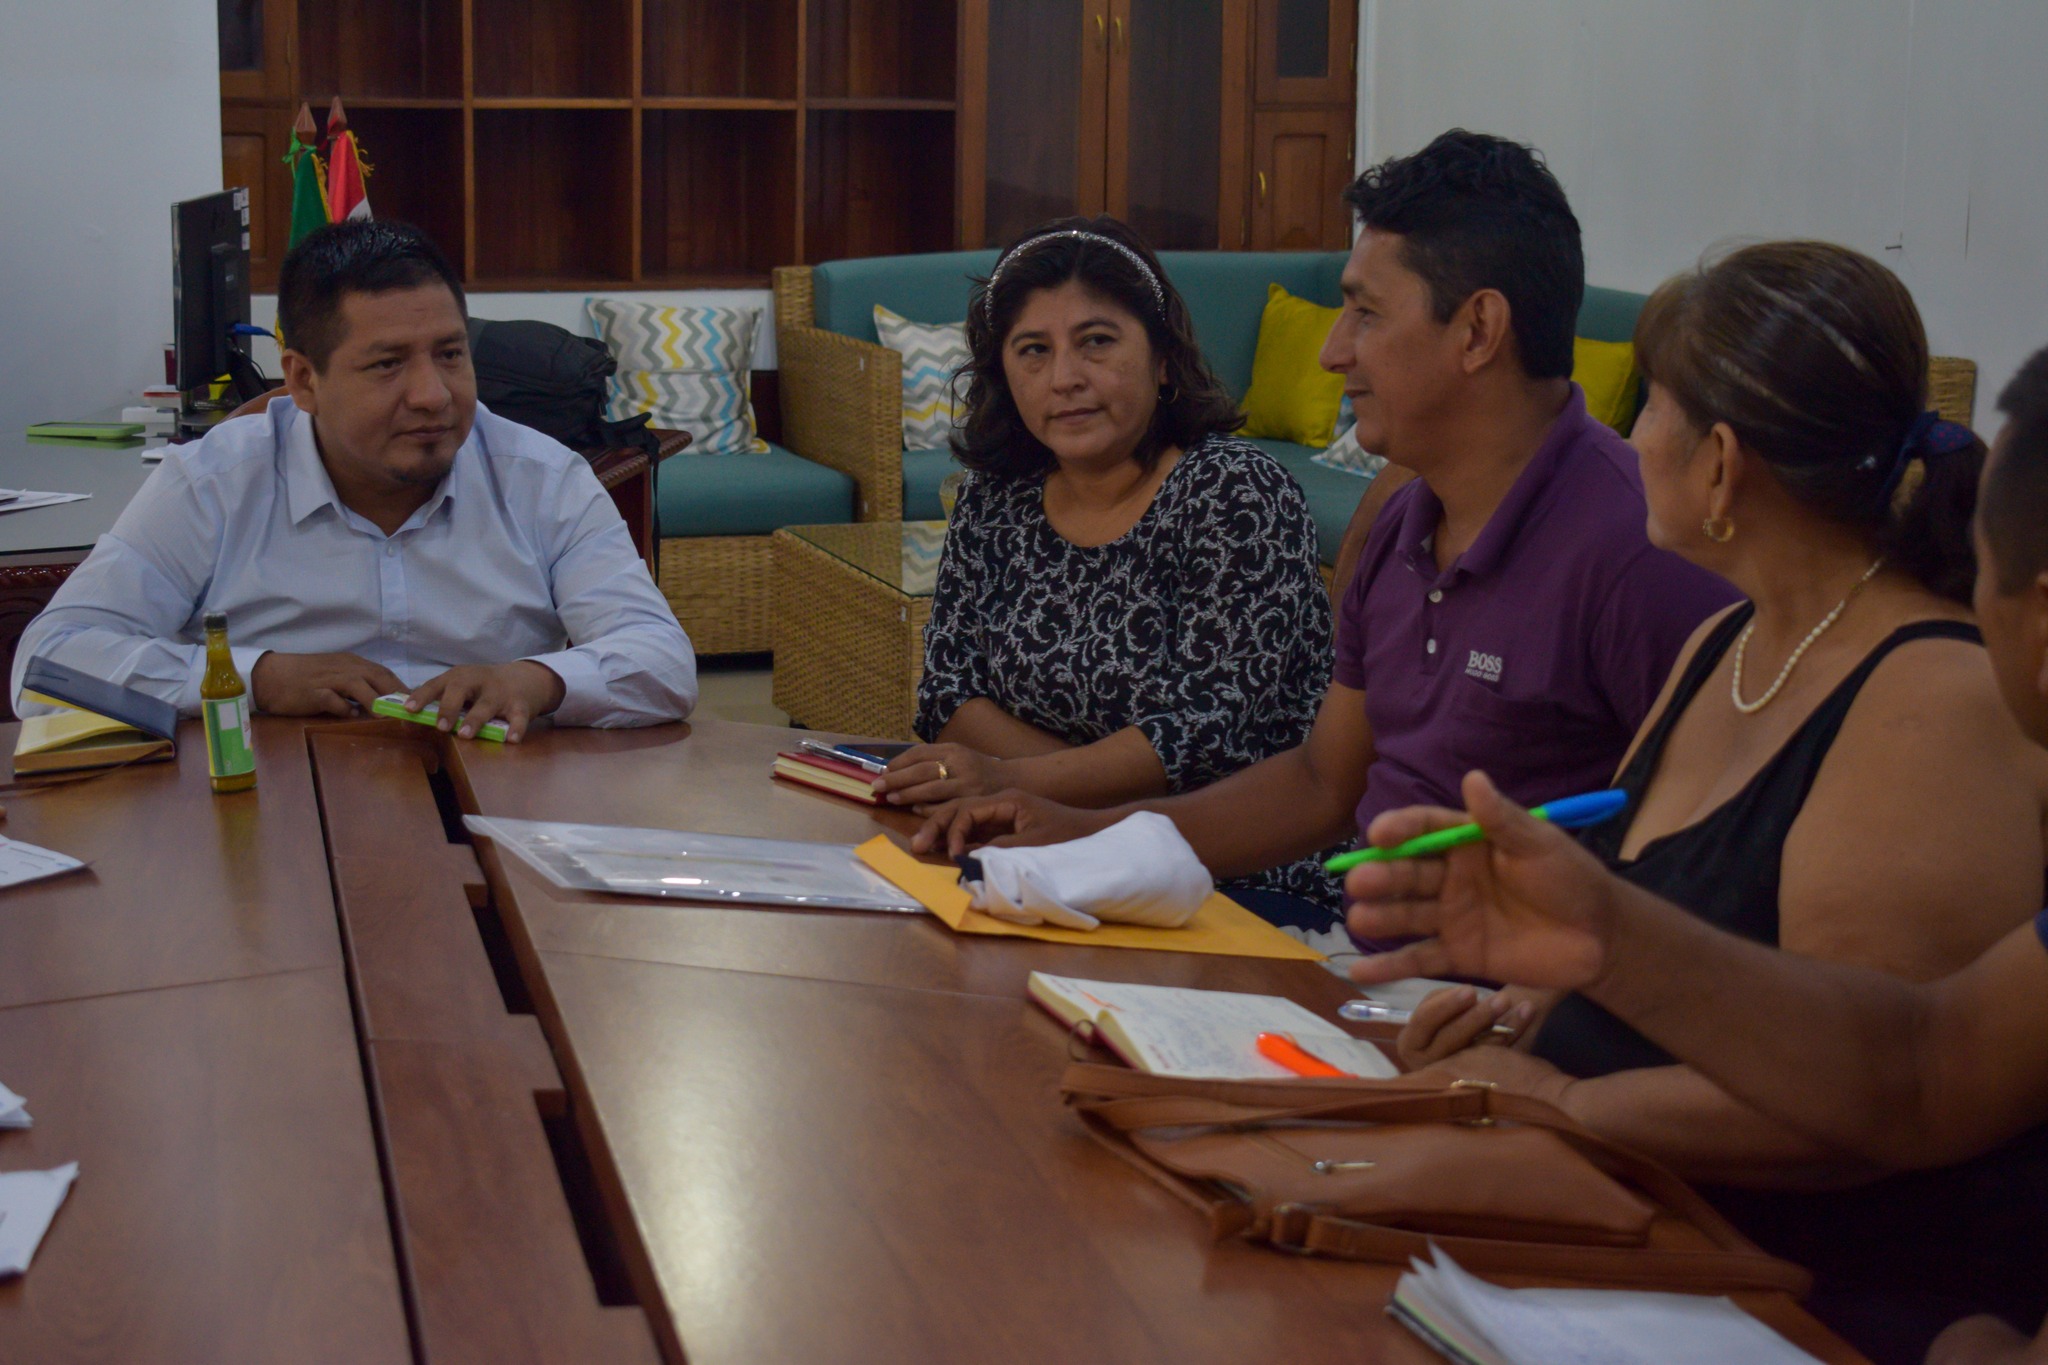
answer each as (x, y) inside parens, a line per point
(945, 774)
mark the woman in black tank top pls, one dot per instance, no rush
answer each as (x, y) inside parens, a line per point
(1782, 447)
(1725, 867)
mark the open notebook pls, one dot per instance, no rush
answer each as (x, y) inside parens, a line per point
(1212, 1035)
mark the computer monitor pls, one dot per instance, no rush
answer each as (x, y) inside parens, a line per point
(210, 291)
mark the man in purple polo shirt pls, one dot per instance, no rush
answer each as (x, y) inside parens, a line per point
(1508, 611)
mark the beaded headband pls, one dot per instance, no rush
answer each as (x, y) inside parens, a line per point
(988, 293)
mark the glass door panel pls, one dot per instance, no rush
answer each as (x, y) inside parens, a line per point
(1172, 131)
(1045, 59)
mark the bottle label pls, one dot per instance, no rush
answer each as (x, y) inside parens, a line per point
(228, 753)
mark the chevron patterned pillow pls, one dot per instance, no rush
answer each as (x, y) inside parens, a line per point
(932, 356)
(689, 366)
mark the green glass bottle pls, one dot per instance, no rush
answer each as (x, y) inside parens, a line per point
(230, 753)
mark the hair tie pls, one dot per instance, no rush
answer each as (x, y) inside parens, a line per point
(1930, 436)
(988, 291)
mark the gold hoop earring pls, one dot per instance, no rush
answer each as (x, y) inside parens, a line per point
(1720, 530)
(1169, 394)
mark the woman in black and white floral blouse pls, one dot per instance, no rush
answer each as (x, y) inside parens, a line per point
(1129, 602)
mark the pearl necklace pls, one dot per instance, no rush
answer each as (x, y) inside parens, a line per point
(1750, 708)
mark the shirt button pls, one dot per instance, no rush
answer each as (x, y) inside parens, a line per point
(390, 550)
(1431, 646)
(1436, 594)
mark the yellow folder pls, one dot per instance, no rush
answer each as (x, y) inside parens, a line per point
(1221, 926)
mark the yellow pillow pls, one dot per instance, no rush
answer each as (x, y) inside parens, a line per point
(1606, 370)
(1292, 398)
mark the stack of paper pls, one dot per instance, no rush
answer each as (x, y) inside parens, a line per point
(13, 1110)
(28, 1201)
(1476, 1323)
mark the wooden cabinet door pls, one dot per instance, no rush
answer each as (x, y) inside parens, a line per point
(252, 143)
(1302, 52)
(1301, 162)
(256, 48)
(1167, 111)
(1048, 62)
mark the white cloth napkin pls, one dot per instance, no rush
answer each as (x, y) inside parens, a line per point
(28, 1201)
(13, 1110)
(1138, 871)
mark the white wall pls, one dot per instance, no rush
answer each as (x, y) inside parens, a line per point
(1915, 130)
(109, 113)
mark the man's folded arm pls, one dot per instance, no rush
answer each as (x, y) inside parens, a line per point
(629, 662)
(117, 618)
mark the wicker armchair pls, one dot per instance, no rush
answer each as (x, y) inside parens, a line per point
(842, 399)
(1952, 387)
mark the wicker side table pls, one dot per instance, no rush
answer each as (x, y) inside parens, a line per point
(848, 610)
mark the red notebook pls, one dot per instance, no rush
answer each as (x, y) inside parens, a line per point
(827, 774)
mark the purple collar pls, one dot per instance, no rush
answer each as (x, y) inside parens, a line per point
(1418, 527)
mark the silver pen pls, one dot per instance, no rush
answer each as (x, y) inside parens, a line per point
(1373, 1012)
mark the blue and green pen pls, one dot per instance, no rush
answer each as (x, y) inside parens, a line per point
(1570, 812)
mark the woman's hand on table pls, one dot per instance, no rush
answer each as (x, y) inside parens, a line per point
(929, 774)
(1454, 1019)
(1005, 819)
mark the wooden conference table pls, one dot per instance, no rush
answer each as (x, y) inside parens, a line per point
(343, 1087)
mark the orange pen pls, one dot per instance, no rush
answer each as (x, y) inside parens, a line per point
(1284, 1051)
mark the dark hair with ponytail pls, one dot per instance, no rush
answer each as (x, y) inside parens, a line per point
(1815, 356)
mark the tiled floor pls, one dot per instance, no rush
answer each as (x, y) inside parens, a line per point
(737, 688)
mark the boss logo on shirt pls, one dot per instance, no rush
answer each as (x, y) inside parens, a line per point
(1485, 667)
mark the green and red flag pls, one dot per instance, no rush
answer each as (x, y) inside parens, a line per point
(346, 171)
(309, 185)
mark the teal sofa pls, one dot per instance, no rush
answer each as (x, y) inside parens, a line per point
(1225, 293)
(842, 418)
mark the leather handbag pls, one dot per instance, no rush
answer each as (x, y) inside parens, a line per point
(1375, 1170)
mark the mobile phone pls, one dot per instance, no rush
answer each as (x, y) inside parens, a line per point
(871, 758)
(878, 754)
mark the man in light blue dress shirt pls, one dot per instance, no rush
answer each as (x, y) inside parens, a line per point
(378, 531)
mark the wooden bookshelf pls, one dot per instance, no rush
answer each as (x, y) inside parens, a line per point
(570, 144)
(577, 144)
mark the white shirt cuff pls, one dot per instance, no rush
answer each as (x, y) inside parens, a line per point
(585, 697)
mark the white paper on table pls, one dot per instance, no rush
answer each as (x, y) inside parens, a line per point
(1607, 1326)
(21, 499)
(153, 454)
(13, 1110)
(28, 1201)
(21, 862)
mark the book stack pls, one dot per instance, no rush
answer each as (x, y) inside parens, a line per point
(827, 775)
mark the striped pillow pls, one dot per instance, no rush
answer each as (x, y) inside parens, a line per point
(932, 357)
(689, 366)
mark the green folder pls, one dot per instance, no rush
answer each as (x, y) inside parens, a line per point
(86, 431)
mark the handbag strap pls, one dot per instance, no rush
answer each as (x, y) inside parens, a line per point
(1297, 1228)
